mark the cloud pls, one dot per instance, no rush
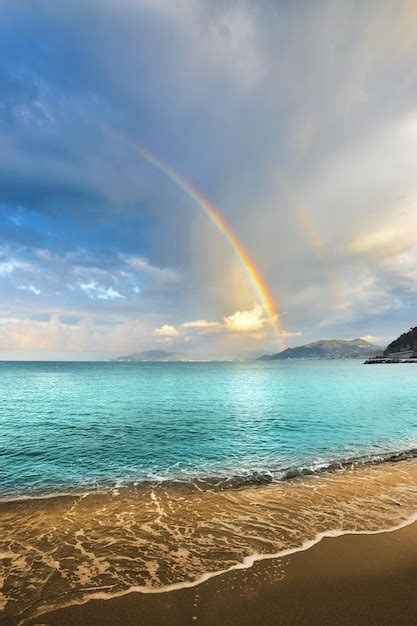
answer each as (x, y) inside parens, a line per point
(384, 243)
(30, 288)
(369, 338)
(142, 265)
(246, 321)
(233, 37)
(166, 331)
(94, 290)
(287, 333)
(71, 338)
(251, 322)
(8, 267)
(200, 325)
(223, 37)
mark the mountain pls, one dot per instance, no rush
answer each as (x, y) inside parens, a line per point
(156, 355)
(406, 341)
(327, 349)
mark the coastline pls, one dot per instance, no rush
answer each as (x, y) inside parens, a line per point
(67, 553)
(222, 482)
(360, 579)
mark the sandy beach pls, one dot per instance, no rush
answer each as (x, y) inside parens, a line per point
(313, 550)
(352, 579)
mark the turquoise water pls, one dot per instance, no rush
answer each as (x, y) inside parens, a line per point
(66, 426)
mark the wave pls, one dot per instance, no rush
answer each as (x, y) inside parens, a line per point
(349, 462)
(157, 540)
(246, 563)
(219, 481)
(88, 595)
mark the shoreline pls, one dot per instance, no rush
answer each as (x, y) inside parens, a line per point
(233, 481)
(354, 578)
(106, 547)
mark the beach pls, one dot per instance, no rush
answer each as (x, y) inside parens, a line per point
(347, 580)
(339, 546)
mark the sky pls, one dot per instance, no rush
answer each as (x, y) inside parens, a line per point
(296, 122)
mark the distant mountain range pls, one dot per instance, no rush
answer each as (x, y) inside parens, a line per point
(327, 349)
(156, 355)
(323, 349)
(406, 341)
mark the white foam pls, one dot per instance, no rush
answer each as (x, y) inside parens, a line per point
(247, 563)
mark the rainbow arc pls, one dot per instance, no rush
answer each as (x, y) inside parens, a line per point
(254, 276)
(312, 233)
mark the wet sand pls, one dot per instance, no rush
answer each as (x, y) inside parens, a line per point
(180, 554)
(347, 580)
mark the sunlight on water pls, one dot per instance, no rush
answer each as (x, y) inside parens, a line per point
(70, 425)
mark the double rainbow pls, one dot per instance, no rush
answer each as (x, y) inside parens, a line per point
(313, 235)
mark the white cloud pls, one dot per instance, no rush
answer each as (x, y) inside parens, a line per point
(246, 321)
(94, 290)
(85, 336)
(385, 242)
(166, 331)
(10, 320)
(8, 267)
(287, 333)
(200, 325)
(30, 288)
(249, 323)
(109, 294)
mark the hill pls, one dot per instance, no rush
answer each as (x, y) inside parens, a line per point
(327, 349)
(406, 341)
(155, 355)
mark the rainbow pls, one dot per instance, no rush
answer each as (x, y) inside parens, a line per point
(212, 213)
(313, 235)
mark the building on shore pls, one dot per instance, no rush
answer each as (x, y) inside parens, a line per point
(401, 350)
(404, 354)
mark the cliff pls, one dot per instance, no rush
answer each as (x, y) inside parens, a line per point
(406, 341)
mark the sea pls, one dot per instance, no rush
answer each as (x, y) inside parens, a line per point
(71, 426)
(119, 477)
